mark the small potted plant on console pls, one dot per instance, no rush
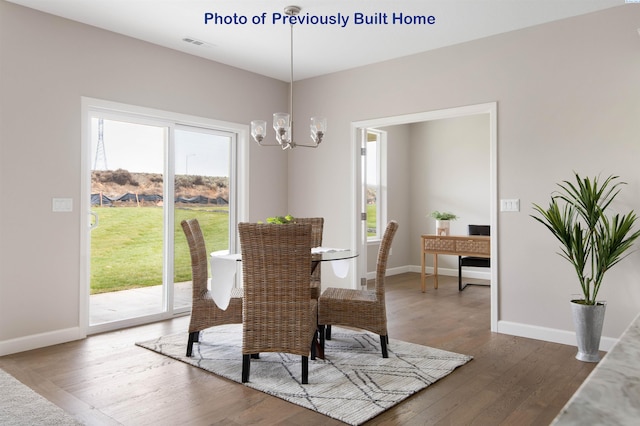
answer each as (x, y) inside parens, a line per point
(443, 221)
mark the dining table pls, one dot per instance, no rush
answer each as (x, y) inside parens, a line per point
(226, 269)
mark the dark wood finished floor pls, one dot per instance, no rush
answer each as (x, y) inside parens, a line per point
(107, 380)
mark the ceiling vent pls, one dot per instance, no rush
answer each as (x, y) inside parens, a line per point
(196, 42)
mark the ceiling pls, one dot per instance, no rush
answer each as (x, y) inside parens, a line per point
(318, 49)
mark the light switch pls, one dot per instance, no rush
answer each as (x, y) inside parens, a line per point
(62, 204)
(510, 205)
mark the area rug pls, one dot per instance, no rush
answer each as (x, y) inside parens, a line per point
(353, 384)
(21, 406)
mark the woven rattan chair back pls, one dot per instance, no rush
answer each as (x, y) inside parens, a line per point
(198, 253)
(364, 309)
(383, 257)
(204, 312)
(278, 312)
(317, 225)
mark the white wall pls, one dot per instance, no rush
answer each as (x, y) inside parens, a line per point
(567, 100)
(48, 64)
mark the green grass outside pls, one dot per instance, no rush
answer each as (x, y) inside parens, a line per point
(126, 247)
(371, 218)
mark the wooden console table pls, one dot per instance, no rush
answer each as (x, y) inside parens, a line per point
(455, 245)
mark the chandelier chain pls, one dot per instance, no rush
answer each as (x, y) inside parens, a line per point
(291, 80)
(283, 122)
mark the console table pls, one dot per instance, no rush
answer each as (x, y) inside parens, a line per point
(455, 245)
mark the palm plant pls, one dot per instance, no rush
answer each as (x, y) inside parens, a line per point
(592, 241)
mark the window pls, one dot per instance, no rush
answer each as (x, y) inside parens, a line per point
(375, 183)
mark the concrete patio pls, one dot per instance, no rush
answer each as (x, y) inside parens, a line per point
(120, 305)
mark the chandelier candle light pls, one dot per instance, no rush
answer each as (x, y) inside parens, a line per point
(282, 121)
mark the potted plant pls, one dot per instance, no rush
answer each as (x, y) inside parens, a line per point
(442, 221)
(593, 242)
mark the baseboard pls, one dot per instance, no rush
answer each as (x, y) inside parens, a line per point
(466, 273)
(548, 334)
(396, 271)
(41, 340)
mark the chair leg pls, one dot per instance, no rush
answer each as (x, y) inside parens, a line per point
(328, 332)
(383, 345)
(305, 370)
(246, 366)
(321, 331)
(314, 345)
(193, 337)
(460, 286)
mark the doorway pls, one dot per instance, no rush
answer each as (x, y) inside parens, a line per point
(359, 237)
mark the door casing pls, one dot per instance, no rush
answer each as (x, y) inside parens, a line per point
(486, 108)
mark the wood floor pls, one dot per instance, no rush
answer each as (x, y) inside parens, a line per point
(107, 380)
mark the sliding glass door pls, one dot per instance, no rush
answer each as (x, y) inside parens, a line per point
(202, 164)
(147, 175)
(127, 193)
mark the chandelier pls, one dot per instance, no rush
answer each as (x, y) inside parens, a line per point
(282, 121)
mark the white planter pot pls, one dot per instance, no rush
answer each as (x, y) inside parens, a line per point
(588, 320)
(442, 227)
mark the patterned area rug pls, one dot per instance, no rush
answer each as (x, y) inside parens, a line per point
(353, 384)
(21, 406)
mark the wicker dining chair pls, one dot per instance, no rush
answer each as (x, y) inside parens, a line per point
(364, 309)
(278, 312)
(317, 225)
(204, 311)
